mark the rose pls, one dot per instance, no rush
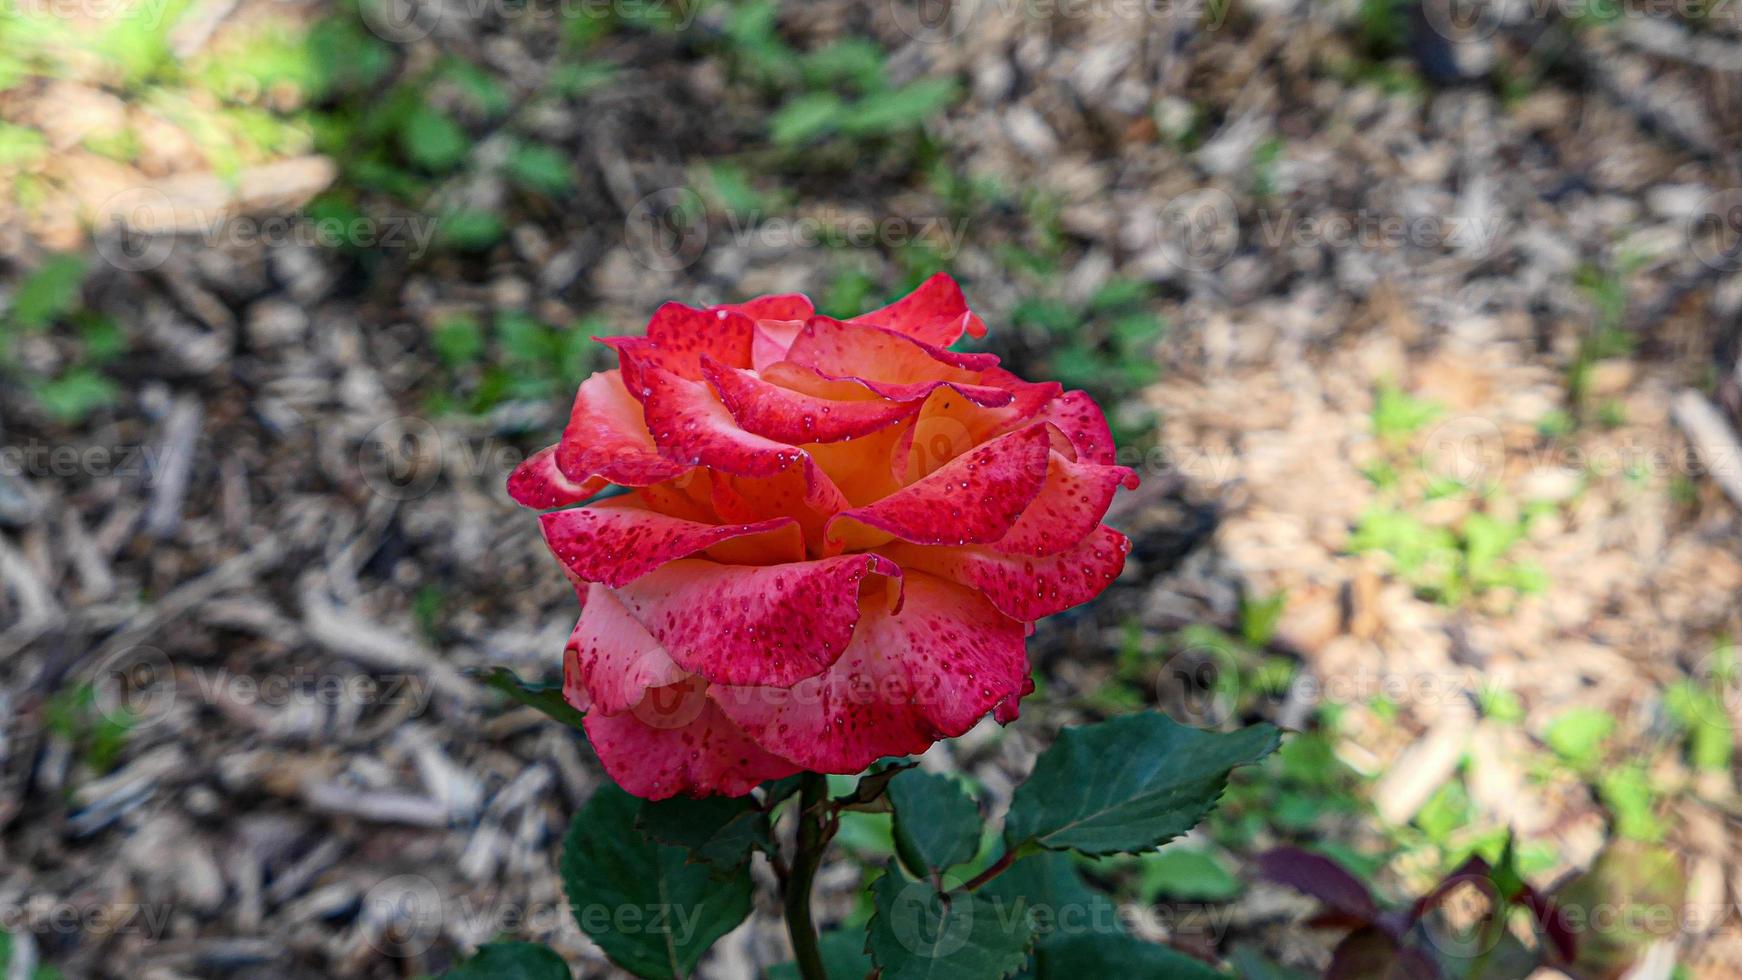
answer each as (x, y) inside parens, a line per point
(836, 537)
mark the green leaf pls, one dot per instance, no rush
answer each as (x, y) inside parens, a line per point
(76, 394)
(1186, 875)
(458, 340)
(1049, 891)
(1128, 784)
(1578, 735)
(21, 146)
(1073, 957)
(717, 829)
(917, 934)
(652, 911)
(844, 958)
(547, 698)
(51, 292)
(540, 168)
(937, 825)
(907, 106)
(806, 117)
(433, 141)
(511, 961)
(470, 231)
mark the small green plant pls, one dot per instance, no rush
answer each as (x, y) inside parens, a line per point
(97, 736)
(51, 297)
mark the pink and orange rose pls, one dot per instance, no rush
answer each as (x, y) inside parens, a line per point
(836, 536)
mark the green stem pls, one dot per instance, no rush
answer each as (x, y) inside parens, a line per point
(813, 837)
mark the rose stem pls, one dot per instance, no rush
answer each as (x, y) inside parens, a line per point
(813, 837)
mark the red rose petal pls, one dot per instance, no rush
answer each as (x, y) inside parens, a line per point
(782, 306)
(537, 483)
(1077, 415)
(613, 658)
(607, 436)
(908, 679)
(793, 417)
(936, 312)
(975, 498)
(686, 335)
(845, 350)
(742, 624)
(1024, 587)
(616, 544)
(706, 755)
(1069, 506)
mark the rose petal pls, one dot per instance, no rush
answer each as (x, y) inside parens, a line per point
(537, 483)
(741, 624)
(1024, 587)
(613, 658)
(844, 350)
(908, 679)
(936, 312)
(607, 437)
(975, 498)
(687, 334)
(1077, 415)
(704, 755)
(782, 306)
(1068, 507)
(616, 544)
(793, 417)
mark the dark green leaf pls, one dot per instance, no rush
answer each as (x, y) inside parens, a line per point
(844, 958)
(937, 825)
(867, 795)
(1128, 784)
(76, 394)
(1058, 903)
(470, 231)
(540, 168)
(805, 117)
(432, 140)
(907, 106)
(718, 829)
(651, 910)
(458, 340)
(547, 698)
(1074, 957)
(917, 934)
(1250, 963)
(51, 292)
(511, 961)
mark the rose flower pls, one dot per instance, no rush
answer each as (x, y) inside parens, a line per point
(835, 538)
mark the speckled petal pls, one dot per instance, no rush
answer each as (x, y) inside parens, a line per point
(617, 543)
(705, 755)
(936, 312)
(1068, 507)
(908, 679)
(537, 483)
(612, 657)
(1026, 587)
(607, 437)
(975, 498)
(1077, 415)
(793, 417)
(764, 625)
